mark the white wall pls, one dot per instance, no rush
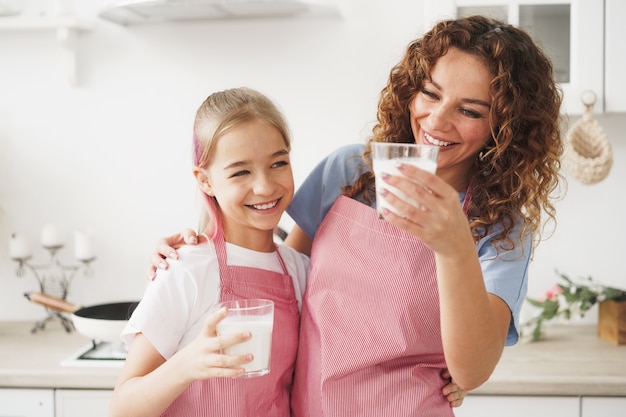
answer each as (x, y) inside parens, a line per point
(113, 154)
(589, 236)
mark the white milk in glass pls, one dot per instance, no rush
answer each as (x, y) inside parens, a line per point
(390, 166)
(259, 345)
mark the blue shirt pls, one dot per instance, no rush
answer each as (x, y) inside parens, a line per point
(505, 273)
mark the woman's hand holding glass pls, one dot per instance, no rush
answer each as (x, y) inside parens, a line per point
(433, 214)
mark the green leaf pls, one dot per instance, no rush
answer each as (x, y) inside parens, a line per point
(537, 331)
(550, 308)
(535, 303)
(577, 296)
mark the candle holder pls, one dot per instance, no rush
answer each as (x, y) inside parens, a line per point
(55, 279)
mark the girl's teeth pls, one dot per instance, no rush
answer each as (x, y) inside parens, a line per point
(265, 206)
(436, 141)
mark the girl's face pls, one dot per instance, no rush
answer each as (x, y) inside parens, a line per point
(452, 112)
(250, 176)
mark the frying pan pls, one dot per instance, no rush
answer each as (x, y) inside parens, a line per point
(101, 322)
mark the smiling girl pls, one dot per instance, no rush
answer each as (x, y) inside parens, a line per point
(175, 366)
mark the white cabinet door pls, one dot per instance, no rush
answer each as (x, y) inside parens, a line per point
(571, 32)
(615, 58)
(26, 402)
(603, 407)
(82, 403)
(518, 406)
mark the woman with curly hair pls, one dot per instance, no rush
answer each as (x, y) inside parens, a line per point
(440, 283)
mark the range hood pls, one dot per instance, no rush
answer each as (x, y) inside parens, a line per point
(130, 12)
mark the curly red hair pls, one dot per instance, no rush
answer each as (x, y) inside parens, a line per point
(518, 172)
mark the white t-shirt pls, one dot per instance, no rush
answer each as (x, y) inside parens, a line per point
(174, 307)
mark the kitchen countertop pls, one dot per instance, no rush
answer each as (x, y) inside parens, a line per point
(573, 361)
(34, 360)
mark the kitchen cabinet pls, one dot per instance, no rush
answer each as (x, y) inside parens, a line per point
(581, 37)
(26, 402)
(615, 58)
(67, 29)
(22, 402)
(540, 406)
(81, 403)
(603, 406)
(517, 406)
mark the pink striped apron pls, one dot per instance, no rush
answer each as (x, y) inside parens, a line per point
(370, 339)
(267, 395)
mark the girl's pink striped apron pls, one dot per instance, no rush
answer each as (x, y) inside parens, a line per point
(370, 340)
(267, 395)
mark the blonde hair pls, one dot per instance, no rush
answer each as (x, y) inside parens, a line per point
(219, 113)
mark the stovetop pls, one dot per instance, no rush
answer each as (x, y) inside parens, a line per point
(106, 354)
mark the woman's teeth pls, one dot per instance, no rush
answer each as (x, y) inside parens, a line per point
(265, 206)
(436, 142)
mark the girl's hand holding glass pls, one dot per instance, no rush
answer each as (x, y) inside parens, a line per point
(204, 358)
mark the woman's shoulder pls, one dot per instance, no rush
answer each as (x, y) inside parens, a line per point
(352, 149)
(343, 166)
(347, 155)
(324, 185)
(518, 247)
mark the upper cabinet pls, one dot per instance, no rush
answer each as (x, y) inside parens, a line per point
(159, 11)
(580, 36)
(614, 58)
(58, 19)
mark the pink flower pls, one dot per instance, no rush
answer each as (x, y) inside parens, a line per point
(553, 292)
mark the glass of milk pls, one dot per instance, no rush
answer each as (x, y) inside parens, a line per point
(387, 156)
(257, 317)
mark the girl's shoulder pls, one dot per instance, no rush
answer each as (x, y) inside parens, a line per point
(199, 250)
(192, 264)
(298, 266)
(291, 255)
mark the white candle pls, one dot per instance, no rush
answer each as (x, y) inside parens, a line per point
(52, 236)
(83, 246)
(19, 247)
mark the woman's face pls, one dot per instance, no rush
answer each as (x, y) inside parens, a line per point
(250, 176)
(452, 112)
